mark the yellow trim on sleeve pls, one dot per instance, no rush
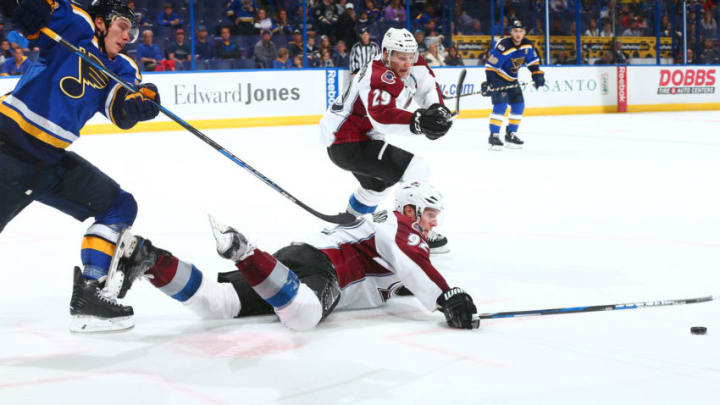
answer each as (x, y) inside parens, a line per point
(101, 245)
(31, 129)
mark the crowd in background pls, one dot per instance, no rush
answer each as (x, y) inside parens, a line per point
(237, 34)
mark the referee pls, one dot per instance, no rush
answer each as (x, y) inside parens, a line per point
(362, 52)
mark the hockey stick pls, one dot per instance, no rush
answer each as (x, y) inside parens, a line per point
(342, 218)
(458, 90)
(595, 308)
(501, 88)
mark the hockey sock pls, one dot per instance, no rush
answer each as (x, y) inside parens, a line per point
(364, 201)
(516, 112)
(497, 117)
(297, 306)
(272, 280)
(98, 244)
(178, 279)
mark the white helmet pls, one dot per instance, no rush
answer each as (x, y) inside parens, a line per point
(401, 40)
(418, 194)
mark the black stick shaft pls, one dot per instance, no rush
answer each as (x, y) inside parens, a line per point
(595, 308)
(343, 218)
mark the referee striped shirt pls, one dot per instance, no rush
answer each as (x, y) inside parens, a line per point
(361, 55)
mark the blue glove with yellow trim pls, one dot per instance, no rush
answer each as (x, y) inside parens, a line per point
(139, 106)
(31, 15)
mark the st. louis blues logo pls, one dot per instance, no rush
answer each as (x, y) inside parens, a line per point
(388, 77)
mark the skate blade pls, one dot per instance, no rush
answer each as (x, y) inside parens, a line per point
(439, 250)
(495, 148)
(124, 246)
(513, 146)
(93, 324)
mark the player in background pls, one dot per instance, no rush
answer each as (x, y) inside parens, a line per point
(396, 93)
(501, 70)
(44, 114)
(348, 267)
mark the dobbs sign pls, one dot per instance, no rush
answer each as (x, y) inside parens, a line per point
(686, 81)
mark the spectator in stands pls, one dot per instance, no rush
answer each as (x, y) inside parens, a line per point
(709, 26)
(226, 48)
(634, 30)
(395, 12)
(346, 25)
(606, 59)
(140, 17)
(179, 51)
(464, 21)
(262, 21)
(325, 44)
(454, 58)
(295, 47)
(168, 17)
(341, 58)
(5, 51)
(423, 19)
(282, 61)
(326, 59)
(17, 39)
(362, 22)
(557, 28)
(326, 15)
(17, 65)
(241, 14)
(420, 39)
(204, 49)
(313, 53)
(559, 6)
(148, 54)
(561, 58)
(265, 51)
(709, 54)
(282, 25)
(298, 61)
(537, 29)
(690, 56)
(475, 28)
(433, 57)
(2, 29)
(593, 29)
(619, 57)
(607, 31)
(372, 12)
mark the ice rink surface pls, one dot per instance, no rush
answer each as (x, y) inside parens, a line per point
(596, 209)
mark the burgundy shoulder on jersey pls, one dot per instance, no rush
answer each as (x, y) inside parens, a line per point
(385, 79)
(410, 240)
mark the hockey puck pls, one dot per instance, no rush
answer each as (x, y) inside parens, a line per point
(698, 330)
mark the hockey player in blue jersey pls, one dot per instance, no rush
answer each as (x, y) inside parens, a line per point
(44, 114)
(501, 70)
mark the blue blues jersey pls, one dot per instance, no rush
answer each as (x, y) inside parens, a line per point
(507, 58)
(60, 92)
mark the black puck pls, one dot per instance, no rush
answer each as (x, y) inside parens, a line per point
(698, 330)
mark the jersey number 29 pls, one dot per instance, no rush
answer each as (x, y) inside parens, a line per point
(380, 97)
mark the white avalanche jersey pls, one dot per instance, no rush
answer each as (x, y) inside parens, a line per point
(374, 259)
(378, 103)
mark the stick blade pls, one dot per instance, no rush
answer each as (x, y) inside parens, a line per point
(458, 91)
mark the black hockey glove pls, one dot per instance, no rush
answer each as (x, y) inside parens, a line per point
(538, 78)
(486, 90)
(434, 122)
(139, 106)
(458, 308)
(31, 15)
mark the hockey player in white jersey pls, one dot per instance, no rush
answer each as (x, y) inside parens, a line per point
(396, 93)
(348, 267)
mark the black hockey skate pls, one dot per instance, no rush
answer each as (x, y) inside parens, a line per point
(495, 142)
(438, 243)
(512, 141)
(134, 256)
(93, 311)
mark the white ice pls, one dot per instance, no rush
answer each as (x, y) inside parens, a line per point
(596, 209)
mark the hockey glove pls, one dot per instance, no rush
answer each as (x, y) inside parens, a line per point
(230, 243)
(486, 90)
(538, 78)
(139, 106)
(458, 308)
(31, 15)
(434, 122)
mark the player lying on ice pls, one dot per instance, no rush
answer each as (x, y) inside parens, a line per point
(348, 267)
